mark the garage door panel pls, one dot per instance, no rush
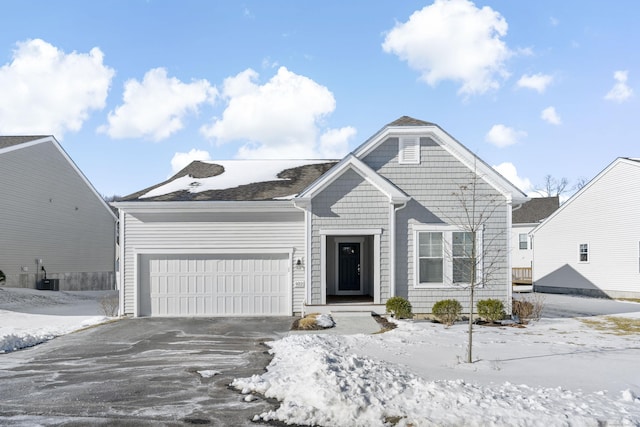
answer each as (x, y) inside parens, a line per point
(214, 285)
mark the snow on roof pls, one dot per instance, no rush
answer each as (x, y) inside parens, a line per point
(235, 174)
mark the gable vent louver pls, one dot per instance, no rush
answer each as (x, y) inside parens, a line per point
(409, 150)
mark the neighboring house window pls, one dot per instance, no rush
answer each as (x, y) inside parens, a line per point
(409, 150)
(444, 256)
(523, 241)
(584, 252)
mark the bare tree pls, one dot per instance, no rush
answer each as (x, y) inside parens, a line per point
(581, 182)
(476, 248)
(552, 186)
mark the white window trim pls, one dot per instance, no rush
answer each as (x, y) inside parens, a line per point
(413, 143)
(447, 231)
(526, 241)
(588, 253)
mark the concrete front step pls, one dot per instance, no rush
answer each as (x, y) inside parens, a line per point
(352, 309)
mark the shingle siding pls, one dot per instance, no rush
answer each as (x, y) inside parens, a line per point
(254, 232)
(433, 185)
(350, 202)
(49, 212)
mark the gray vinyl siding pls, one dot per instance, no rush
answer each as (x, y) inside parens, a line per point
(49, 212)
(247, 232)
(606, 217)
(350, 202)
(432, 184)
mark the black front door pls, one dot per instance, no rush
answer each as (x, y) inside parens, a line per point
(349, 268)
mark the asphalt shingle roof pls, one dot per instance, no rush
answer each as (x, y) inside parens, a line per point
(291, 181)
(535, 210)
(9, 141)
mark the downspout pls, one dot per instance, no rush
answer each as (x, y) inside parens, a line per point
(392, 246)
(509, 206)
(307, 249)
(121, 285)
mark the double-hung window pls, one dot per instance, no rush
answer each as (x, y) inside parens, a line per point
(444, 256)
(523, 241)
(463, 254)
(583, 252)
(430, 257)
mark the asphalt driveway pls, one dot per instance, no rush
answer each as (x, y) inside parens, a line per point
(140, 372)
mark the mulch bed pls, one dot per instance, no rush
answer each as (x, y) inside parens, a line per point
(295, 326)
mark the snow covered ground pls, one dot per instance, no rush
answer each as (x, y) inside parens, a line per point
(29, 317)
(555, 372)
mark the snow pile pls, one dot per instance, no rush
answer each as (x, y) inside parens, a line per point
(29, 317)
(208, 373)
(325, 321)
(338, 387)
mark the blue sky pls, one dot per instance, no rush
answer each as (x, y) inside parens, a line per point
(134, 89)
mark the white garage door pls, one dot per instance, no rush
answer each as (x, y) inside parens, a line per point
(214, 285)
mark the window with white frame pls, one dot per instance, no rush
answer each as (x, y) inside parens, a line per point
(583, 252)
(523, 241)
(444, 256)
(409, 150)
(462, 256)
(430, 257)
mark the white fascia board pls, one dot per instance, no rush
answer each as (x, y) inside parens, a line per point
(584, 189)
(514, 195)
(393, 193)
(206, 206)
(64, 154)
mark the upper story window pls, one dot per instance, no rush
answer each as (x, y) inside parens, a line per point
(409, 150)
(583, 252)
(523, 241)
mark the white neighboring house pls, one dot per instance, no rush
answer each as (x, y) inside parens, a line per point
(591, 244)
(525, 218)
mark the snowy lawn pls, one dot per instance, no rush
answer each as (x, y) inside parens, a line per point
(555, 372)
(29, 317)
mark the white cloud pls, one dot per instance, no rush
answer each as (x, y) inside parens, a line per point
(156, 107)
(453, 40)
(550, 115)
(509, 171)
(46, 91)
(537, 82)
(180, 160)
(620, 91)
(503, 136)
(279, 119)
(334, 142)
(554, 21)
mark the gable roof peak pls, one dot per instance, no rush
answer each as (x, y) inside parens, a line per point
(410, 121)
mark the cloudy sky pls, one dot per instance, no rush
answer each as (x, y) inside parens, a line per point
(135, 89)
